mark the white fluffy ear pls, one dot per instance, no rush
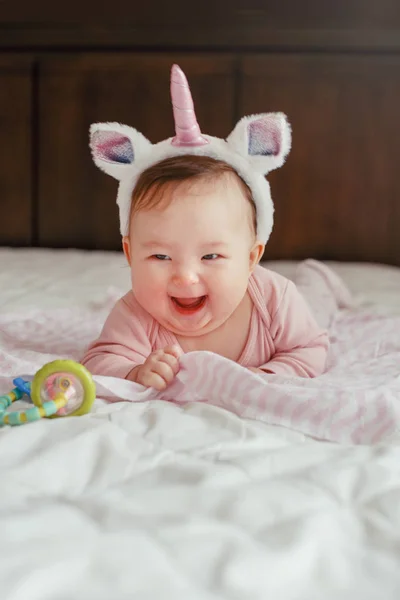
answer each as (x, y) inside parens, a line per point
(264, 139)
(115, 147)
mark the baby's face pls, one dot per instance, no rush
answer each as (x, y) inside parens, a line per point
(191, 260)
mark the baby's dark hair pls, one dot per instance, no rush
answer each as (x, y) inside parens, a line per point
(155, 180)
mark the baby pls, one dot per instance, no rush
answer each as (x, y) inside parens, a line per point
(194, 219)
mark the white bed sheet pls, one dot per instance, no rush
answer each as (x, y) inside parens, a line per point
(154, 501)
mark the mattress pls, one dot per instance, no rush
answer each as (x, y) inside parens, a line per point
(153, 500)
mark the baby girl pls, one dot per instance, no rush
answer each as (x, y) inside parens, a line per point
(195, 214)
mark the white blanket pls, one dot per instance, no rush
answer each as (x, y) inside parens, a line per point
(356, 400)
(154, 500)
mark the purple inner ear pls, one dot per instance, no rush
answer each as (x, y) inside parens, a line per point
(264, 138)
(112, 147)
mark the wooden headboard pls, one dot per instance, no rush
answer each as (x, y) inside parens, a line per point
(332, 67)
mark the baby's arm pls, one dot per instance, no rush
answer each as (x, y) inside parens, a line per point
(122, 345)
(301, 346)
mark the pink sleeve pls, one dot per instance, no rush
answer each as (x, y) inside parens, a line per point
(301, 346)
(123, 343)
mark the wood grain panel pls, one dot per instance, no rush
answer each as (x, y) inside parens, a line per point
(229, 24)
(338, 196)
(77, 202)
(15, 143)
(341, 14)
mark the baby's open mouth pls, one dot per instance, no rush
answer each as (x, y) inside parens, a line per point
(189, 304)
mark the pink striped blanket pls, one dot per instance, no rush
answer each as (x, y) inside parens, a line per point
(356, 401)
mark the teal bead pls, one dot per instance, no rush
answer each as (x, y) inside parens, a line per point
(14, 418)
(50, 408)
(32, 414)
(4, 401)
(18, 393)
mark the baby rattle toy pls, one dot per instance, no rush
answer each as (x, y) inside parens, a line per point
(59, 389)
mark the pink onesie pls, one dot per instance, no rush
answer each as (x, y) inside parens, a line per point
(283, 337)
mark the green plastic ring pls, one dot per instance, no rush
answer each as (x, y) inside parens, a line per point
(65, 366)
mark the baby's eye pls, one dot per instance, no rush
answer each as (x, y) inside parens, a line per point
(161, 257)
(210, 256)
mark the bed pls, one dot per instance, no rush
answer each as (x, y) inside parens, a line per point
(158, 500)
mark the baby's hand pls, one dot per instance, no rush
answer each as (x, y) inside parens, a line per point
(159, 369)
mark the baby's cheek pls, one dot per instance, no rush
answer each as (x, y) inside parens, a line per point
(150, 291)
(227, 280)
(148, 277)
(151, 287)
(230, 289)
(151, 298)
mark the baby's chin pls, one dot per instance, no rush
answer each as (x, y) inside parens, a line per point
(192, 328)
(192, 332)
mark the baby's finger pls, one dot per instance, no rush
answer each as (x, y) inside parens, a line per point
(165, 371)
(154, 380)
(154, 358)
(174, 350)
(171, 361)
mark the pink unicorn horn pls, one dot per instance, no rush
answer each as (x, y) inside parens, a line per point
(186, 126)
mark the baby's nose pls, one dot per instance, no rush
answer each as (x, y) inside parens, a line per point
(184, 279)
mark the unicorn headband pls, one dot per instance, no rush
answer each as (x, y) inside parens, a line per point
(257, 145)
